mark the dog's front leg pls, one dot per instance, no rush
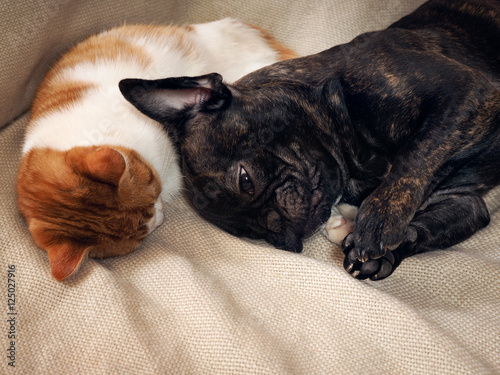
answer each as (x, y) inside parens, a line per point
(383, 221)
(448, 218)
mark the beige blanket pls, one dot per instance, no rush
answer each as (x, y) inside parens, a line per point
(194, 300)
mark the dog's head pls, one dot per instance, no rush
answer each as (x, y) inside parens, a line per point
(252, 159)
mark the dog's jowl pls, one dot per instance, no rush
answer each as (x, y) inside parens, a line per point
(404, 123)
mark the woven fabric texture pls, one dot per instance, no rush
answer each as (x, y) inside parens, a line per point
(195, 300)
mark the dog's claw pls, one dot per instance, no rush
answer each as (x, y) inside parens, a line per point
(361, 266)
(374, 269)
(349, 267)
(348, 243)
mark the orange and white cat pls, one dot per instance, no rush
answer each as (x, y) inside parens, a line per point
(94, 170)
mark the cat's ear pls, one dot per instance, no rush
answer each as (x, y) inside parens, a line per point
(66, 257)
(174, 101)
(103, 164)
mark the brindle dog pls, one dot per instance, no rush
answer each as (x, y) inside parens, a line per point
(403, 122)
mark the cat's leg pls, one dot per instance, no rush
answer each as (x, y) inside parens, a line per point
(341, 223)
(447, 219)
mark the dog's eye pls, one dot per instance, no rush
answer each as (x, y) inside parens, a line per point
(246, 184)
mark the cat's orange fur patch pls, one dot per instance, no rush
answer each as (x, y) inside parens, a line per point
(102, 47)
(283, 52)
(56, 96)
(113, 186)
(105, 165)
(178, 33)
(55, 93)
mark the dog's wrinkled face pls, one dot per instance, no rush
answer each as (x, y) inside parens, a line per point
(259, 174)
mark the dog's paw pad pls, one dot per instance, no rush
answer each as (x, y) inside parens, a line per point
(337, 228)
(374, 269)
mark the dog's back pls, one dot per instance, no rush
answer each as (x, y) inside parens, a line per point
(473, 26)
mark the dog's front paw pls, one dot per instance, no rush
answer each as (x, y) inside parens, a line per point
(382, 225)
(375, 269)
(378, 267)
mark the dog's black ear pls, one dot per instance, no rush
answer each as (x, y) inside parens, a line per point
(174, 101)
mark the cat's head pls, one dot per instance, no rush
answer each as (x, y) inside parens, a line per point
(88, 201)
(250, 155)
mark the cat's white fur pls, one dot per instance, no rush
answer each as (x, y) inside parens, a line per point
(340, 223)
(104, 117)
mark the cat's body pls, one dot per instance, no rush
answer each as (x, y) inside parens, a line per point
(93, 166)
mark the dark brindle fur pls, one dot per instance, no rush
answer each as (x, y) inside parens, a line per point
(403, 122)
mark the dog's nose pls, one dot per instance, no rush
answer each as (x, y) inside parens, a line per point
(271, 220)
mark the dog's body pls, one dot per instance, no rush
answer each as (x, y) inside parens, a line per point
(403, 122)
